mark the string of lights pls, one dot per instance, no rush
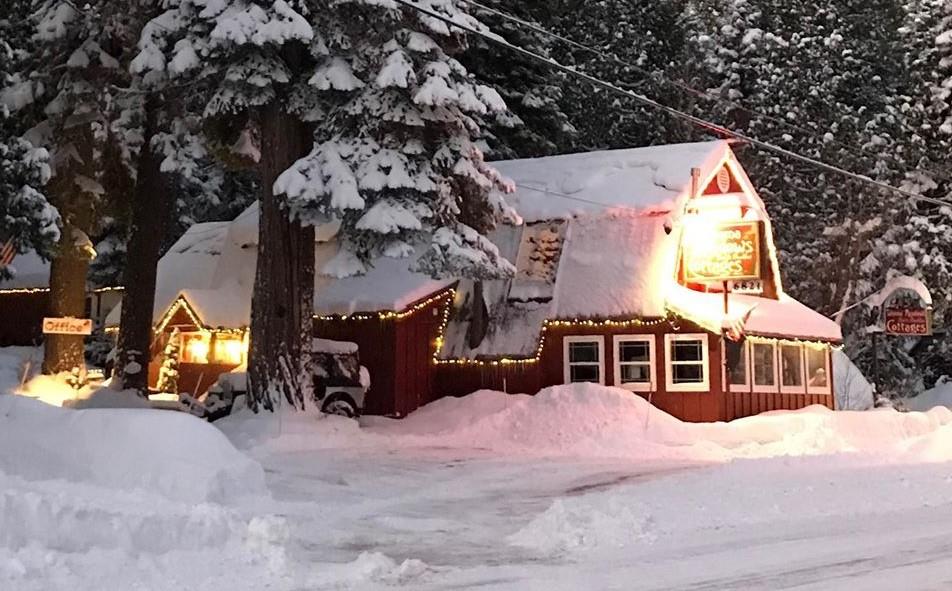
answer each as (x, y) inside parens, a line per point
(698, 121)
(390, 314)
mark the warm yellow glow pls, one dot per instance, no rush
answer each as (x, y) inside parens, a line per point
(229, 350)
(196, 347)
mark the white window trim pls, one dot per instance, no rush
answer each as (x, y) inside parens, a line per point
(828, 389)
(651, 386)
(802, 388)
(761, 389)
(745, 387)
(566, 366)
(705, 384)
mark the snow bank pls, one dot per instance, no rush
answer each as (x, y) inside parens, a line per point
(593, 421)
(941, 395)
(172, 454)
(12, 361)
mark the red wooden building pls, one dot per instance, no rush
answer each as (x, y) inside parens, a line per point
(622, 262)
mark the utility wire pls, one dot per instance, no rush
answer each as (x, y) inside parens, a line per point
(702, 123)
(859, 151)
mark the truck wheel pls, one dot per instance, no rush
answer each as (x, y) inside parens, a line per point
(340, 404)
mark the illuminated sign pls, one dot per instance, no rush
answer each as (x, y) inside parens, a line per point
(722, 252)
(907, 321)
(77, 326)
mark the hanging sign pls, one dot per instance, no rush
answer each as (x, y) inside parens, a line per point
(76, 326)
(905, 307)
(728, 252)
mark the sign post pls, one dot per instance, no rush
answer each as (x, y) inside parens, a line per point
(73, 326)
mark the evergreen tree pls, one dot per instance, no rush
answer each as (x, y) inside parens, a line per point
(28, 219)
(535, 124)
(395, 159)
(244, 57)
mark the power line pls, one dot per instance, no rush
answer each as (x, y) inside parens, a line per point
(859, 151)
(702, 123)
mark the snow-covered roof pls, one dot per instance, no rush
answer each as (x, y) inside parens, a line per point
(619, 250)
(213, 267)
(782, 318)
(655, 178)
(30, 272)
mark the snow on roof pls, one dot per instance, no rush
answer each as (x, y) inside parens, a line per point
(655, 178)
(782, 318)
(213, 266)
(30, 272)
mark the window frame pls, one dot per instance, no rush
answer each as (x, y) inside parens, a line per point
(567, 365)
(762, 389)
(827, 362)
(784, 389)
(183, 348)
(748, 377)
(652, 384)
(702, 386)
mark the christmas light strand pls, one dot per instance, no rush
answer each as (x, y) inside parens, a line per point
(390, 314)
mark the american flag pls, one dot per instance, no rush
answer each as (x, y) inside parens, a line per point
(7, 253)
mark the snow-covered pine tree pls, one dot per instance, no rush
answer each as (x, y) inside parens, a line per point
(242, 57)
(650, 35)
(68, 78)
(395, 159)
(809, 66)
(28, 219)
(535, 124)
(168, 373)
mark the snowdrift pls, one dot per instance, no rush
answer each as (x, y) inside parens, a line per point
(172, 454)
(593, 421)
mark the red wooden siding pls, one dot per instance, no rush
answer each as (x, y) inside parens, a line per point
(714, 405)
(21, 318)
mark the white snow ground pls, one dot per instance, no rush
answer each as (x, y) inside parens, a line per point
(577, 488)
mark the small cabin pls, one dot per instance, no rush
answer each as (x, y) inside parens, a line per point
(203, 301)
(649, 269)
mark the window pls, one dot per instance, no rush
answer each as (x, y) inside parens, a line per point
(686, 360)
(195, 347)
(634, 362)
(791, 369)
(818, 370)
(229, 349)
(739, 366)
(765, 367)
(584, 359)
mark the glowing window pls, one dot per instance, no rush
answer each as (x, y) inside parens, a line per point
(195, 347)
(229, 349)
(584, 359)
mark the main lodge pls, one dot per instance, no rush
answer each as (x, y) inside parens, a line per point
(649, 269)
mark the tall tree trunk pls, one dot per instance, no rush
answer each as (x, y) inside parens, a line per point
(65, 353)
(282, 304)
(151, 207)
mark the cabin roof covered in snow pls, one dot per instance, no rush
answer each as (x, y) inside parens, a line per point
(213, 266)
(650, 179)
(617, 260)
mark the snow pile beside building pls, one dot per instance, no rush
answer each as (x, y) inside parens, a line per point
(593, 421)
(172, 454)
(941, 395)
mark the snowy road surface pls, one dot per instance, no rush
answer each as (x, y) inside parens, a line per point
(583, 488)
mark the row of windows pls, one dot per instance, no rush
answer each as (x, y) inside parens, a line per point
(755, 367)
